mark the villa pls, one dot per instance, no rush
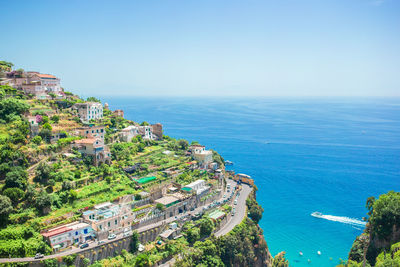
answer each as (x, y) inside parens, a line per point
(63, 236)
(92, 131)
(203, 157)
(198, 186)
(108, 218)
(95, 148)
(37, 84)
(89, 111)
(128, 133)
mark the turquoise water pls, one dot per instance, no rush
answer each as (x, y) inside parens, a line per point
(305, 155)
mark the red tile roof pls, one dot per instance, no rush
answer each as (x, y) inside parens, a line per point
(56, 231)
(46, 76)
(85, 141)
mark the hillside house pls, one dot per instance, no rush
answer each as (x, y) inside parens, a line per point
(128, 133)
(89, 111)
(118, 113)
(202, 156)
(198, 186)
(39, 84)
(33, 125)
(95, 148)
(92, 131)
(108, 218)
(64, 236)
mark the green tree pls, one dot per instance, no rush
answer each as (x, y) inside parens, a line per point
(93, 99)
(160, 206)
(280, 260)
(5, 209)
(47, 126)
(142, 260)
(69, 260)
(15, 194)
(55, 118)
(37, 140)
(145, 123)
(43, 202)
(183, 144)
(206, 226)
(134, 242)
(73, 195)
(16, 177)
(370, 204)
(385, 214)
(12, 106)
(43, 172)
(192, 235)
(6, 66)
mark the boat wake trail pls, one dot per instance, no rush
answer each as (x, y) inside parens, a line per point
(341, 219)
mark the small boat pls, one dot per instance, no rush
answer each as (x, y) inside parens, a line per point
(301, 253)
(228, 162)
(319, 252)
(317, 214)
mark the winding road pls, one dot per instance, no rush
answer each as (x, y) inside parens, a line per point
(234, 220)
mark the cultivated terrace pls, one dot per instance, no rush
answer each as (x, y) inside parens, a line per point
(72, 172)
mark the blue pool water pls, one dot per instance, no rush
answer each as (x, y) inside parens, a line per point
(305, 155)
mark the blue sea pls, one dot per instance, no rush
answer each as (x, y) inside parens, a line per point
(306, 155)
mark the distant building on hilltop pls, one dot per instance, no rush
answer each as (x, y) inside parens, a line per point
(89, 110)
(118, 113)
(201, 155)
(148, 132)
(128, 133)
(37, 84)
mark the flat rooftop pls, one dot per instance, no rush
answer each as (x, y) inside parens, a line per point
(167, 200)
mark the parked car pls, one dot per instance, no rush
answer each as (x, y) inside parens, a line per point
(84, 245)
(112, 236)
(127, 234)
(101, 242)
(39, 256)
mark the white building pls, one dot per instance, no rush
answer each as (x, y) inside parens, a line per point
(38, 84)
(63, 236)
(89, 111)
(198, 186)
(128, 133)
(204, 157)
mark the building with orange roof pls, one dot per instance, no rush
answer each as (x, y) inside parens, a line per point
(95, 148)
(64, 236)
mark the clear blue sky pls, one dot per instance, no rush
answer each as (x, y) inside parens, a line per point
(209, 47)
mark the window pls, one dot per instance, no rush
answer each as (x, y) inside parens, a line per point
(85, 231)
(102, 130)
(109, 224)
(116, 222)
(76, 233)
(100, 227)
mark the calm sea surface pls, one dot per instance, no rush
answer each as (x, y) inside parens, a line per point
(305, 155)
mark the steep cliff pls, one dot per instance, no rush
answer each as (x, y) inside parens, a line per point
(382, 230)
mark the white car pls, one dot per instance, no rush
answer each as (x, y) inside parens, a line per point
(39, 256)
(112, 236)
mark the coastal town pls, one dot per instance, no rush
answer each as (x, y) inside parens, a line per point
(108, 180)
